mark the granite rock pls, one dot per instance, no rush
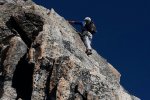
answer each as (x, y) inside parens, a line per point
(42, 57)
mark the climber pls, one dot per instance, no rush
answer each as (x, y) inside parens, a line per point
(88, 29)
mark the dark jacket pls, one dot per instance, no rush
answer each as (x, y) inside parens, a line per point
(85, 27)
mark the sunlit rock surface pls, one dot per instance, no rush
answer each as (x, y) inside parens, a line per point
(42, 57)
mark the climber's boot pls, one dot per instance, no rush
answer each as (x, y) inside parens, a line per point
(88, 51)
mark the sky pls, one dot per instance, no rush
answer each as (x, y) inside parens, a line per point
(122, 38)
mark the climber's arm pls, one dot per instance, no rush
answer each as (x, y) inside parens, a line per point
(76, 22)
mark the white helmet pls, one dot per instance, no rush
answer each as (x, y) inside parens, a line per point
(87, 19)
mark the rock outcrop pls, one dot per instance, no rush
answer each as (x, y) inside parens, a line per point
(42, 57)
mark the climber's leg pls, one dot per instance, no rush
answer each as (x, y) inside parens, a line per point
(87, 37)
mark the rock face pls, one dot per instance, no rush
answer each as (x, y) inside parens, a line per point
(42, 57)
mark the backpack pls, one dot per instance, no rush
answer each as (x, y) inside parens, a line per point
(90, 27)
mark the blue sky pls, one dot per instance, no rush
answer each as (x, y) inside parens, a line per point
(122, 38)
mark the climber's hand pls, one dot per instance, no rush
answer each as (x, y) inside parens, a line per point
(71, 21)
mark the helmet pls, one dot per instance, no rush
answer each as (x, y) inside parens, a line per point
(87, 19)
